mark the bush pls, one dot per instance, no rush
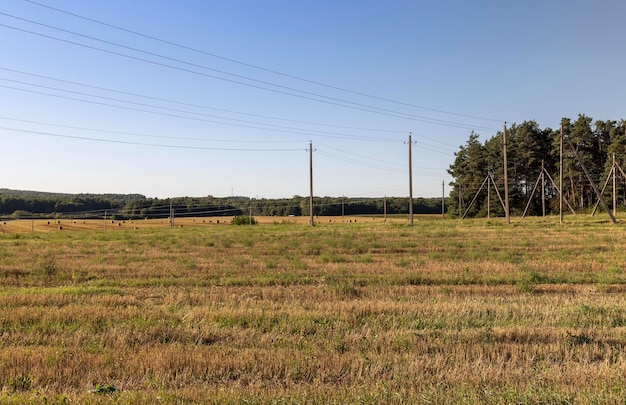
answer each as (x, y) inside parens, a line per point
(243, 220)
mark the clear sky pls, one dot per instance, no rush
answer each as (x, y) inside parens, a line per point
(204, 97)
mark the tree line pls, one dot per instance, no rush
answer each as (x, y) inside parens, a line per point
(27, 204)
(529, 148)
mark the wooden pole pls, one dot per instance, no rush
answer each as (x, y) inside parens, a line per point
(475, 197)
(443, 199)
(614, 188)
(489, 196)
(543, 189)
(532, 194)
(506, 179)
(460, 196)
(171, 215)
(561, 178)
(410, 183)
(343, 210)
(606, 183)
(385, 208)
(311, 222)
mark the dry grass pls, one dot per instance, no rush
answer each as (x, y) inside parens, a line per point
(444, 312)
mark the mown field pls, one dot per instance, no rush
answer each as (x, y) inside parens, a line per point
(450, 311)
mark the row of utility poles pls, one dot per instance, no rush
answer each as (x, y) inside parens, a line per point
(505, 204)
(410, 143)
(489, 180)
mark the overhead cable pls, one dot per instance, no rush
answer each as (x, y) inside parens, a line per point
(260, 67)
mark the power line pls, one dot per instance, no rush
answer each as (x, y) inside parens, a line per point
(143, 135)
(259, 67)
(199, 106)
(361, 156)
(310, 132)
(371, 158)
(84, 138)
(332, 155)
(336, 102)
(358, 162)
(282, 128)
(306, 131)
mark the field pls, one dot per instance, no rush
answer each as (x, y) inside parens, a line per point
(69, 224)
(445, 311)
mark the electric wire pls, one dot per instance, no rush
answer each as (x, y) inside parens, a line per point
(84, 138)
(320, 134)
(358, 162)
(282, 127)
(371, 158)
(367, 164)
(336, 102)
(200, 106)
(423, 119)
(195, 105)
(358, 155)
(180, 138)
(259, 67)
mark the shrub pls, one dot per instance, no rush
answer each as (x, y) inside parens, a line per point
(243, 220)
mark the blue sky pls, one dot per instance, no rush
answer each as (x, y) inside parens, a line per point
(225, 97)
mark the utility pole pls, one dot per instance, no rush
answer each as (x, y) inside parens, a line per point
(506, 180)
(561, 178)
(489, 195)
(443, 199)
(311, 222)
(385, 208)
(171, 215)
(614, 188)
(105, 220)
(410, 182)
(460, 200)
(250, 216)
(543, 189)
